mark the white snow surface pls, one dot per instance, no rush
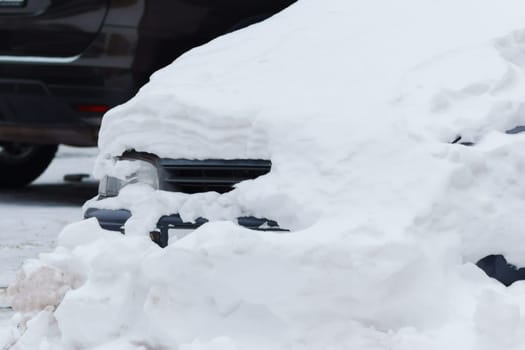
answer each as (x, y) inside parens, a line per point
(32, 218)
(355, 103)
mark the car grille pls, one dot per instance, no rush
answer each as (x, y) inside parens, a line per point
(193, 176)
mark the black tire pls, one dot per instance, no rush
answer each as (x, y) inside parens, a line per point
(20, 164)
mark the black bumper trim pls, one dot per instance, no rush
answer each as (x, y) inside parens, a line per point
(114, 220)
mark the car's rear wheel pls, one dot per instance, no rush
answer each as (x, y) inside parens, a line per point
(21, 163)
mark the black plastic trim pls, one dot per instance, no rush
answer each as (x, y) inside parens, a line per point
(114, 220)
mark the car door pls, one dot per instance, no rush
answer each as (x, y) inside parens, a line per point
(49, 28)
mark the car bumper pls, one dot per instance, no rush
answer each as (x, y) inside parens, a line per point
(33, 111)
(73, 135)
(114, 220)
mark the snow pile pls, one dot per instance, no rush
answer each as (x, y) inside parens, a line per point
(356, 104)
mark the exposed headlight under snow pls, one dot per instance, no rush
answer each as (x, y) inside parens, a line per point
(143, 172)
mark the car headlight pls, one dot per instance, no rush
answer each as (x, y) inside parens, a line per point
(138, 171)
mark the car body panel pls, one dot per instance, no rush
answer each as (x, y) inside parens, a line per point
(57, 55)
(50, 28)
(114, 220)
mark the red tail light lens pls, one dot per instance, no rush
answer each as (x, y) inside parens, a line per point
(92, 108)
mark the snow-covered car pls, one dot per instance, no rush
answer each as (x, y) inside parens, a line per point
(177, 157)
(356, 105)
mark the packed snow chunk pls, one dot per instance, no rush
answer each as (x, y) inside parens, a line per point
(42, 283)
(30, 335)
(81, 233)
(38, 287)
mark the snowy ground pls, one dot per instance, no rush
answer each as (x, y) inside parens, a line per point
(5, 318)
(31, 218)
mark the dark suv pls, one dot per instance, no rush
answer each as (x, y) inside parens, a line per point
(64, 63)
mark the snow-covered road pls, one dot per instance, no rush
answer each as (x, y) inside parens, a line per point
(31, 218)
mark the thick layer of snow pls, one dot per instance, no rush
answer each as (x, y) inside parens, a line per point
(355, 103)
(325, 90)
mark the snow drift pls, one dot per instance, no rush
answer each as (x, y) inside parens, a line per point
(356, 104)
